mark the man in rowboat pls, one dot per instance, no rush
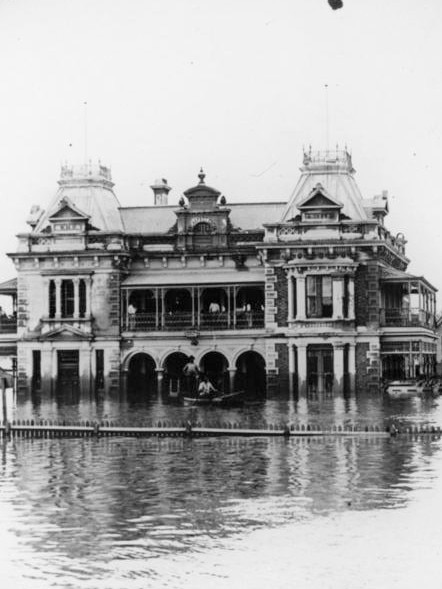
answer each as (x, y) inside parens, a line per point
(206, 388)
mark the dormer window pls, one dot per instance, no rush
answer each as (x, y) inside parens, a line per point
(319, 207)
(68, 218)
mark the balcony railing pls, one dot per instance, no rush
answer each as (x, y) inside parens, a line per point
(8, 325)
(397, 317)
(182, 321)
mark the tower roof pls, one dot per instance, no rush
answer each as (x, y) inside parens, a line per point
(89, 188)
(334, 171)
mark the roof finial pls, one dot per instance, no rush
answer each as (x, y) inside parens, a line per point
(201, 176)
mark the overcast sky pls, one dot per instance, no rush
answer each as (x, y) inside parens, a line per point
(236, 86)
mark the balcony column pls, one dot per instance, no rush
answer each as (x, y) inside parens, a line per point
(198, 294)
(163, 309)
(352, 367)
(290, 297)
(300, 298)
(301, 348)
(338, 299)
(338, 367)
(76, 282)
(192, 296)
(57, 298)
(234, 307)
(229, 306)
(351, 297)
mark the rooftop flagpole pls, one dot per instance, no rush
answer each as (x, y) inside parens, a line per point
(327, 123)
(85, 132)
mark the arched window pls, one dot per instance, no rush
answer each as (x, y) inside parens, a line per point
(202, 228)
(203, 235)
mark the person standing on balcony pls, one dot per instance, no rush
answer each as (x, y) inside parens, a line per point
(191, 374)
(214, 307)
(131, 312)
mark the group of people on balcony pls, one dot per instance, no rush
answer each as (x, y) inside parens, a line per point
(248, 314)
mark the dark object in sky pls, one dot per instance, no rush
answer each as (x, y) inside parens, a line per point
(335, 4)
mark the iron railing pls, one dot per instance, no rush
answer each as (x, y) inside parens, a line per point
(182, 321)
(400, 317)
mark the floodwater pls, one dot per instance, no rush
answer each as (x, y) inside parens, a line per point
(129, 513)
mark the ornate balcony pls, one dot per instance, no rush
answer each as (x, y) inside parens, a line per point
(403, 317)
(182, 321)
(8, 325)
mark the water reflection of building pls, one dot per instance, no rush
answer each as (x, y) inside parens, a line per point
(310, 293)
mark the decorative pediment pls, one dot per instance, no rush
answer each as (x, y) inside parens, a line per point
(66, 333)
(319, 199)
(67, 210)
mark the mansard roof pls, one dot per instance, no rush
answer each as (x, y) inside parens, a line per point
(159, 219)
(335, 172)
(88, 188)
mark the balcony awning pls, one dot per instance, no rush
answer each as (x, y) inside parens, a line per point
(9, 287)
(221, 277)
(394, 275)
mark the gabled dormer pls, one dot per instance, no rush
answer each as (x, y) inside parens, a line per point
(319, 207)
(68, 218)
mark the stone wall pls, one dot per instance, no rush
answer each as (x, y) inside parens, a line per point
(106, 303)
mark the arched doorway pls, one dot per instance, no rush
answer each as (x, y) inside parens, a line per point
(141, 377)
(251, 374)
(173, 378)
(215, 366)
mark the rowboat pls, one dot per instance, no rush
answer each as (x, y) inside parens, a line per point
(234, 399)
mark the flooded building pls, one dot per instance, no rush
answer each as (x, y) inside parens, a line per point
(306, 294)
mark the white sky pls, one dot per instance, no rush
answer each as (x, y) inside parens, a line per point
(234, 85)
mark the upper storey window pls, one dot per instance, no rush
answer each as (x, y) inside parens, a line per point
(319, 296)
(65, 296)
(203, 235)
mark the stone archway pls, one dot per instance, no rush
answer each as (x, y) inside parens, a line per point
(215, 366)
(141, 376)
(173, 378)
(251, 374)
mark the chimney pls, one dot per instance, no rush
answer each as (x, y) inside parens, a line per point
(160, 191)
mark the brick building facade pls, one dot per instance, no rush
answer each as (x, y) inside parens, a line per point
(311, 294)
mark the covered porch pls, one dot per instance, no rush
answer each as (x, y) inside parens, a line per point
(406, 300)
(183, 307)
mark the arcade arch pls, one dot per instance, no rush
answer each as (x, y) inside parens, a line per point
(141, 375)
(215, 366)
(251, 374)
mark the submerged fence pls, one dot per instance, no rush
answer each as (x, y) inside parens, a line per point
(54, 429)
